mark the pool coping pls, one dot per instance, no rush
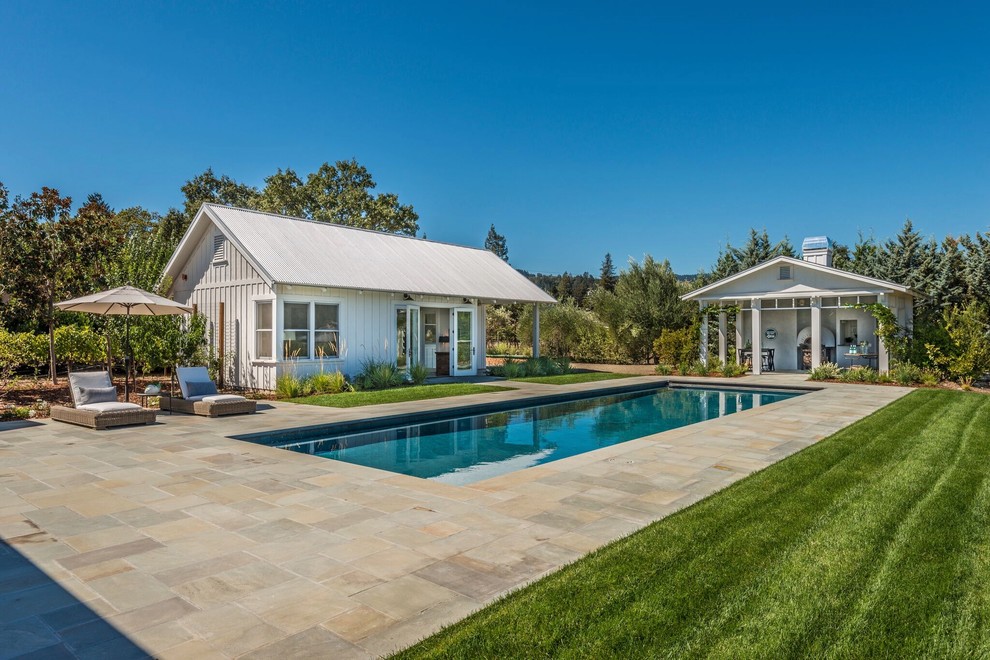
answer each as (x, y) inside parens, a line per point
(195, 544)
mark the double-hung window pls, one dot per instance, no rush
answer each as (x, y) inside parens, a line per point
(295, 336)
(327, 339)
(264, 329)
(310, 330)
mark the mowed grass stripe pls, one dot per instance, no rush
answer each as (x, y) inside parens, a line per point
(795, 609)
(916, 599)
(805, 557)
(732, 571)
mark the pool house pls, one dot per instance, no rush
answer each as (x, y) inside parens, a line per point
(287, 294)
(794, 314)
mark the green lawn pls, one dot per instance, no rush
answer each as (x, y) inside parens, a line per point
(567, 379)
(872, 543)
(410, 393)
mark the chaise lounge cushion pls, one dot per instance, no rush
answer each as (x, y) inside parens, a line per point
(216, 398)
(195, 388)
(91, 395)
(109, 406)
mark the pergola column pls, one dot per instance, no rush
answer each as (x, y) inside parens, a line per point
(816, 332)
(536, 330)
(703, 354)
(739, 332)
(757, 337)
(883, 357)
(723, 338)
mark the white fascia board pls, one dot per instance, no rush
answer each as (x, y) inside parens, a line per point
(886, 287)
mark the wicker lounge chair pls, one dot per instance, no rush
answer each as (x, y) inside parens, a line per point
(200, 397)
(96, 405)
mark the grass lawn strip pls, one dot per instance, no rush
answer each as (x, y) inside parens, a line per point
(396, 395)
(569, 379)
(829, 552)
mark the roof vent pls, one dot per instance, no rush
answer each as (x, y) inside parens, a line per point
(817, 250)
(219, 249)
(785, 273)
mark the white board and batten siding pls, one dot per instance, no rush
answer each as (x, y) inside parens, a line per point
(367, 325)
(229, 278)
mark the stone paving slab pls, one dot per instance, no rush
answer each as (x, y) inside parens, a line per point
(181, 541)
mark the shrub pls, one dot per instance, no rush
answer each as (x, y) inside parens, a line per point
(677, 346)
(13, 413)
(930, 377)
(290, 386)
(541, 366)
(664, 370)
(733, 370)
(906, 373)
(826, 371)
(326, 382)
(379, 375)
(418, 373)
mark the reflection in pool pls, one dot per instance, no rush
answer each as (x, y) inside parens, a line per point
(468, 449)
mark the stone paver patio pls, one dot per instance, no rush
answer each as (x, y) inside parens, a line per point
(195, 545)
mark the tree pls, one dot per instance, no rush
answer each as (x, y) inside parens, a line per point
(49, 254)
(607, 278)
(208, 187)
(646, 300)
(495, 242)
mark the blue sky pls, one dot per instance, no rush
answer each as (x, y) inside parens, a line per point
(576, 128)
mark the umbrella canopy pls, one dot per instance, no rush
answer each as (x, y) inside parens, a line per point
(124, 300)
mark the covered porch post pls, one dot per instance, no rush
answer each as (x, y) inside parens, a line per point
(703, 354)
(816, 332)
(536, 330)
(739, 332)
(883, 356)
(723, 338)
(757, 338)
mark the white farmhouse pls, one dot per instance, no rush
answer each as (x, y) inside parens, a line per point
(284, 293)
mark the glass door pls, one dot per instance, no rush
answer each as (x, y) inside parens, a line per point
(407, 334)
(413, 346)
(401, 338)
(462, 342)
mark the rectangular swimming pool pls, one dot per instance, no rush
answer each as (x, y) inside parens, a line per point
(463, 450)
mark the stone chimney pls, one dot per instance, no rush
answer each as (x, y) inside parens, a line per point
(817, 250)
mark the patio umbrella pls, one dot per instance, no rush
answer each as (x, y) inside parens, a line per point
(125, 300)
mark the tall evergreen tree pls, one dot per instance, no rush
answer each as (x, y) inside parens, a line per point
(495, 242)
(607, 278)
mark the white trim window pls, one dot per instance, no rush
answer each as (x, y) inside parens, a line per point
(295, 333)
(326, 340)
(264, 329)
(310, 330)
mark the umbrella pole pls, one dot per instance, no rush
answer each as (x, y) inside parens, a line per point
(127, 355)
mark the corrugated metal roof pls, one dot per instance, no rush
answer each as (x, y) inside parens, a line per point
(295, 251)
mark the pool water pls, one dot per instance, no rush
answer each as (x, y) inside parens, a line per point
(468, 449)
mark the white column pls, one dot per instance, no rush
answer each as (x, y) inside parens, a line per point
(739, 332)
(703, 354)
(757, 338)
(883, 357)
(482, 352)
(816, 332)
(723, 339)
(536, 330)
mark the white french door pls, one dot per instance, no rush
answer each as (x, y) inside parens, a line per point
(407, 334)
(462, 341)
